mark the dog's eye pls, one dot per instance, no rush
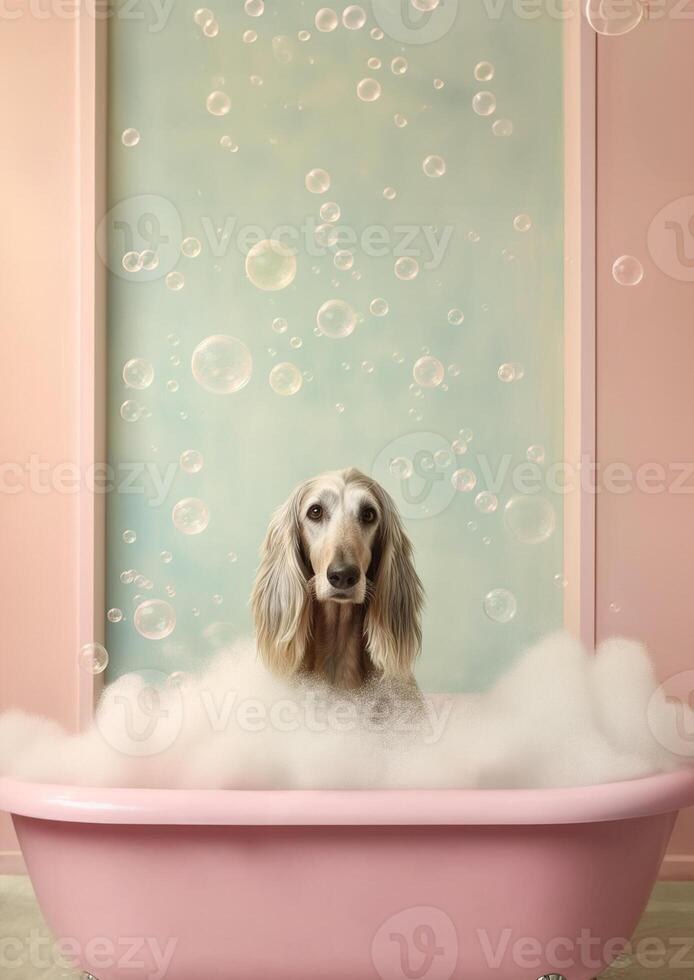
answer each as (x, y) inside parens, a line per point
(315, 512)
(368, 515)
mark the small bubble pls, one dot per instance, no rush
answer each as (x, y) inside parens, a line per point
(191, 461)
(368, 90)
(406, 268)
(279, 325)
(285, 379)
(250, 37)
(256, 80)
(400, 120)
(484, 71)
(128, 577)
(132, 261)
(149, 260)
(535, 454)
(303, 37)
(390, 193)
(434, 166)
(374, 64)
(129, 537)
(138, 373)
(191, 247)
(326, 20)
(330, 211)
(130, 411)
(317, 181)
(166, 557)
(296, 342)
(627, 270)
(343, 260)
(615, 607)
(428, 372)
(93, 658)
(336, 318)
(175, 281)
(464, 480)
(560, 581)
(376, 33)
(502, 127)
(218, 103)
(232, 557)
(439, 84)
(484, 103)
(190, 515)
(339, 408)
(443, 458)
(486, 502)
(510, 372)
(500, 605)
(172, 385)
(379, 306)
(114, 615)
(367, 367)
(522, 222)
(398, 65)
(353, 18)
(130, 137)
(401, 468)
(254, 8)
(455, 317)
(154, 619)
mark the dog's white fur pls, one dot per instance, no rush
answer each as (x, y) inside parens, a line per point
(346, 636)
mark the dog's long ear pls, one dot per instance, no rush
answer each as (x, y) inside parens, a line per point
(280, 599)
(393, 618)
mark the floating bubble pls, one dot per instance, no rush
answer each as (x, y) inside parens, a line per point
(455, 317)
(175, 281)
(211, 28)
(484, 71)
(336, 318)
(484, 103)
(560, 581)
(172, 385)
(250, 37)
(130, 137)
(367, 367)
(443, 458)
(132, 261)
(270, 265)
(428, 372)
(353, 18)
(326, 19)
(129, 537)
(114, 615)
(486, 502)
(339, 408)
(191, 461)
(627, 270)
(166, 557)
(222, 364)
(502, 127)
(439, 84)
(149, 260)
(317, 181)
(203, 16)
(190, 515)
(254, 8)
(138, 373)
(93, 658)
(614, 17)
(304, 36)
(279, 324)
(464, 480)
(454, 370)
(296, 342)
(154, 619)
(330, 211)
(343, 260)
(398, 65)
(130, 411)
(522, 222)
(401, 468)
(530, 518)
(127, 577)
(425, 5)
(282, 50)
(400, 120)
(379, 306)
(398, 358)
(535, 454)
(369, 90)
(285, 378)
(406, 267)
(434, 166)
(510, 372)
(191, 247)
(500, 605)
(390, 193)
(374, 64)
(256, 80)
(218, 103)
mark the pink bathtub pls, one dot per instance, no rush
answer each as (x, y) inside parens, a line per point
(414, 885)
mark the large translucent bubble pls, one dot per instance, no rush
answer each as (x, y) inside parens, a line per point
(500, 605)
(190, 515)
(530, 518)
(336, 318)
(222, 364)
(154, 619)
(270, 265)
(285, 378)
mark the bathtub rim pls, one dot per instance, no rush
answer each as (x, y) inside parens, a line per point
(648, 796)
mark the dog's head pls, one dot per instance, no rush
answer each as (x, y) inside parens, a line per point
(338, 538)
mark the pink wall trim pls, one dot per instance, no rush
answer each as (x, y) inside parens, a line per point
(645, 348)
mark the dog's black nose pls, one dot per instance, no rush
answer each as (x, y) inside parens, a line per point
(343, 576)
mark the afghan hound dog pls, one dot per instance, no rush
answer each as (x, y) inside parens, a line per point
(337, 594)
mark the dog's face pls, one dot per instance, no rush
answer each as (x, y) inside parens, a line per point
(339, 525)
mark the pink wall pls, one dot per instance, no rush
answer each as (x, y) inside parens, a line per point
(39, 368)
(645, 345)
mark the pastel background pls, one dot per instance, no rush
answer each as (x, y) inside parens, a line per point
(645, 341)
(497, 213)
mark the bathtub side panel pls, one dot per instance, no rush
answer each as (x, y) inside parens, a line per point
(303, 903)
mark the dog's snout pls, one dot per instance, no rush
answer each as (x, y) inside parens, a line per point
(343, 576)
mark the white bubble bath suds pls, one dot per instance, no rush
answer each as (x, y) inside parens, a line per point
(560, 716)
